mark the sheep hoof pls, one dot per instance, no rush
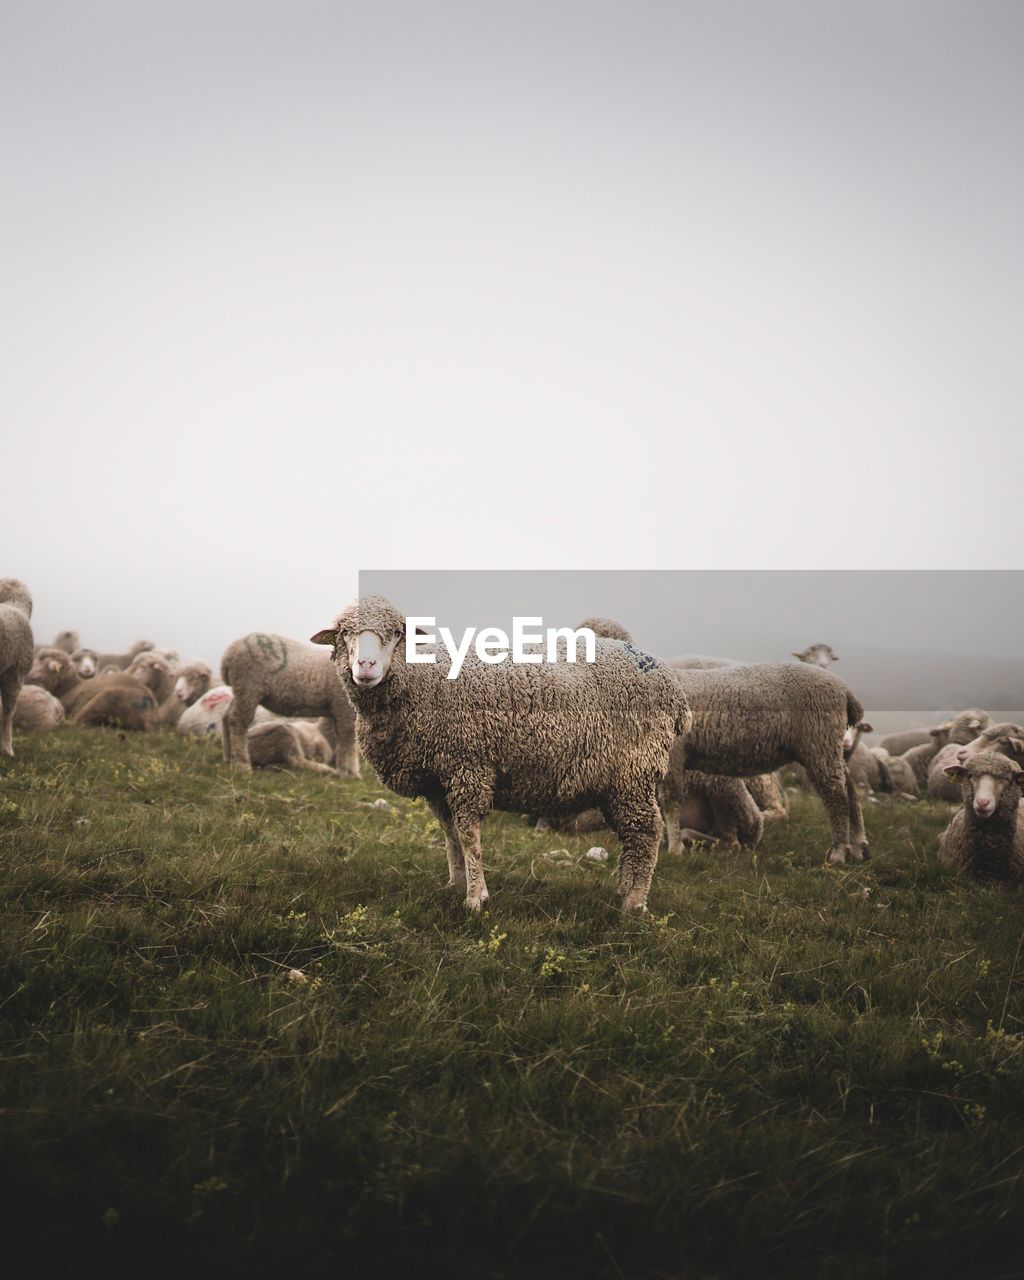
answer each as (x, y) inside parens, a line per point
(634, 902)
(837, 857)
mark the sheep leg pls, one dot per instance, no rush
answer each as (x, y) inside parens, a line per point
(468, 835)
(346, 758)
(236, 724)
(10, 687)
(636, 820)
(831, 783)
(456, 862)
(318, 767)
(858, 838)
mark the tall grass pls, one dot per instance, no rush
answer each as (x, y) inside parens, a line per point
(245, 1028)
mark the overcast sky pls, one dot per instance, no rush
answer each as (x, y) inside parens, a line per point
(295, 289)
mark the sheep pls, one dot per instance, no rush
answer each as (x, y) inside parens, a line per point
(289, 744)
(818, 655)
(868, 772)
(116, 699)
(206, 714)
(548, 738)
(1005, 739)
(191, 681)
(904, 782)
(962, 728)
(288, 677)
(986, 836)
(898, 743)
(769, 795)
(123, 660)
(752, 719)
(606, 629)
(153, 670)
(86, 662)
(708, 806)
(67, 641)
(695, 662)
(16, 653)
(37, 710)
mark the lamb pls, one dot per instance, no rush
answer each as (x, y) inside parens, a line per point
(291, 679)
(16, 653)
(962, 728)
(868, 772)
(289, 744)
(36, 710)
(606, 629)
(191, 681)
(904, 782)
(818, 655)
(752, 719)
(67, 641)
(986, 836)
(206, 714)
(550, 738)
(117, 699)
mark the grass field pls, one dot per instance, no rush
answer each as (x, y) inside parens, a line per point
(784, 1070)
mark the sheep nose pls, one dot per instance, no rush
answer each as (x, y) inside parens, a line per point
(981, 804)
(366, 666)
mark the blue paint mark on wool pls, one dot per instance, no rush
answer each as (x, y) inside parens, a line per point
(643, 660)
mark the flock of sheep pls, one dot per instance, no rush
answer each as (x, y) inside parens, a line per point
(689, 749)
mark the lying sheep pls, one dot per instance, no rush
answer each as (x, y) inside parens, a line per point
(986, 836)
(818, 655)
(898, 743)
(86, 662)
(122, 661)
(550, 738)
(116, 699)
(191, 681)
(16, 653)
(206, 714)
(287, 744)
(153, 670)
(755, 718)
(37, 710)
(695, 662)
(606, 629)
(708, 806)
(1006, 738)
(66, 641)
(868, 772)
(904, 783)
(287, 677)
(961, 729)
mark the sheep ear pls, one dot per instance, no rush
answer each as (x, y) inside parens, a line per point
(955, 771)
(797, 655)
(327, 636)
(940, 728)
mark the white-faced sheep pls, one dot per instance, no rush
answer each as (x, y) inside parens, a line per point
(550, 738)
(206, 714)
(961, 729)
(86, 662)
(16, 653)
(117, 699)
(868, 772)
(1006, 739)
(818, 655)
(37, 710)
(291, 679)
(191, 681)
(755, 718)
(289, 744)
(986, 836)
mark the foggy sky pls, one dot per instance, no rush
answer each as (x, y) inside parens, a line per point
(295, 289)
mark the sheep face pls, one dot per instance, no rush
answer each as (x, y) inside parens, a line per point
(818, 655)
(85, 663)
(192, 682)
(370, 631)
(985, 777)
(150, 668)
(49, 669)
(852, 736)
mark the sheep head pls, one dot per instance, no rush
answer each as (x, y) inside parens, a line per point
(370, 631)
(818, 655)
(985, 777)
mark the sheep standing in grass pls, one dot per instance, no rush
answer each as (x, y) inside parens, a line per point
(291, 679)
(37, 710)
(547, 738)
(16, 653)
(986, 836)
(755, 718)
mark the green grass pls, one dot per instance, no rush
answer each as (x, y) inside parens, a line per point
(783, 1070)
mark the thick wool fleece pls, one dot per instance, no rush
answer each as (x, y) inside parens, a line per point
(707, 804)
(550, 739)
(16, 649)
(988, 848)
(197, 677)
(897, 743)
(753, 719)
(280, 744)
(117, 699)
(290, 678)
(37, 710)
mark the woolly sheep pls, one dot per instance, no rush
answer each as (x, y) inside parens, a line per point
(67, 641)
(86, 662)
(550, 738)
(708, 806)
(606, 629)
(986, 836)
(904, 782)
(288, 744)
(755, 718)
(695, 662)
(153, 670)
(1005, 739)
(898, 743)
(962, 728)
(191, 681)
(818, 655)
(117, 699)
(868, 772)
(123, 660)
(290, 678)
(16, 653)
(206, 714)
(37, 710)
